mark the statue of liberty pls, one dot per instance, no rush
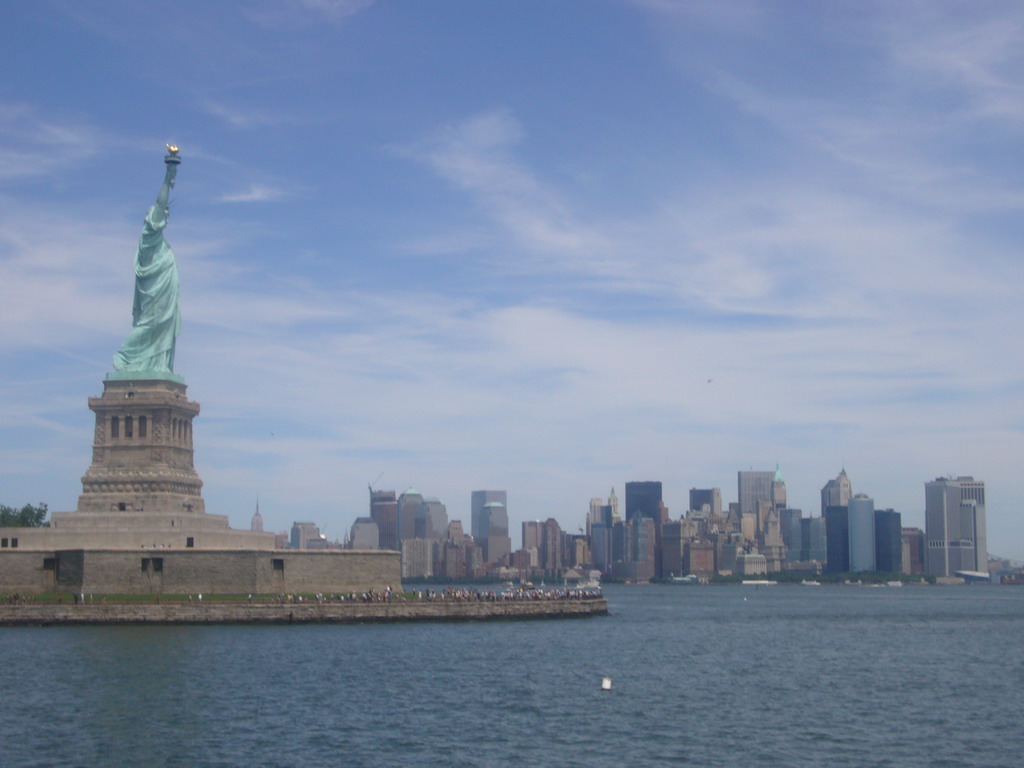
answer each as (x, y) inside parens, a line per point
(148, 352)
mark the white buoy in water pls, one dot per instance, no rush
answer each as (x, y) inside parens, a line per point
(606, 683)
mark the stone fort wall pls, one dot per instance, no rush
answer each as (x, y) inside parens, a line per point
(191, 571)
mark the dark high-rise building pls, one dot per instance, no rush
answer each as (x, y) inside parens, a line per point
(634, 547)
(644, 548)
(813, 540)
(789, 525)
(706, 499)
(384, 512)
(622, 543)
(955, 526)
(601, 546)
(888, 541)
(643, 499)
(672, 549)
(837, 535)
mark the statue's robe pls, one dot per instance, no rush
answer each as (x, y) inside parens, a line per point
(156, 318)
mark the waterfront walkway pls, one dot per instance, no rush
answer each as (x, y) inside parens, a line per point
(373, 607)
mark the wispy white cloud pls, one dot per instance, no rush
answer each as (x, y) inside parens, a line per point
(476, 156)
(256, 193)
(278, 13)
(33, 146)
(978, 52)
(248, 117)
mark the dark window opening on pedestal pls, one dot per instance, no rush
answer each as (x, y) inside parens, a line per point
(145, 564)
(190, 541)
(142, 426)
(49, 563)
(277, 563)
(121, 507)
(115, 427)
(4, 543)
(14, 543)
(127, 426)
(158, 565)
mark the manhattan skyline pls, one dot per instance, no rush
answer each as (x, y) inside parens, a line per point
(547, 248)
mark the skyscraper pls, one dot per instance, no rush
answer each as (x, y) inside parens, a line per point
(643, 499)
(836, 493)
(752, 487)
(305, 535)
(837, 539)
(673, 545)
(789, 524)
(955, 526)
(431, 519)
(913, 550)
(706, 499)
(533, 534)
(758, 493)
(365, 534)
(479, 521)
(384, 512)
(644, 549)
(408, 505)
(813, 540)
(551, 547)
(601, 546)
(888, 541)
(257, 520)
(497, 545)
(779, 490)
(861, 520)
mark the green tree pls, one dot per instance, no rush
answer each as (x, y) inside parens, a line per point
(29, 516)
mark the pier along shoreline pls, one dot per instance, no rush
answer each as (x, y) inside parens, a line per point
(308, 612)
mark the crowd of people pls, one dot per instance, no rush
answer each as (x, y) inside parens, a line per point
(387, 595)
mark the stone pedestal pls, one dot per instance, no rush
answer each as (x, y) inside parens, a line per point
(142, 451)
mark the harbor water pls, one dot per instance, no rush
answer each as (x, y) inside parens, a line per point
(702, 676)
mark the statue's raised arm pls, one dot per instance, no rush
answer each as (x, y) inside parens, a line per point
(148, 352)
(173, 161)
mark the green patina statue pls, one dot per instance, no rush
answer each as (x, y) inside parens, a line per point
(148, 352)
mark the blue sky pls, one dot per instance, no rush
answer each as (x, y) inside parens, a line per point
(548, 247)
